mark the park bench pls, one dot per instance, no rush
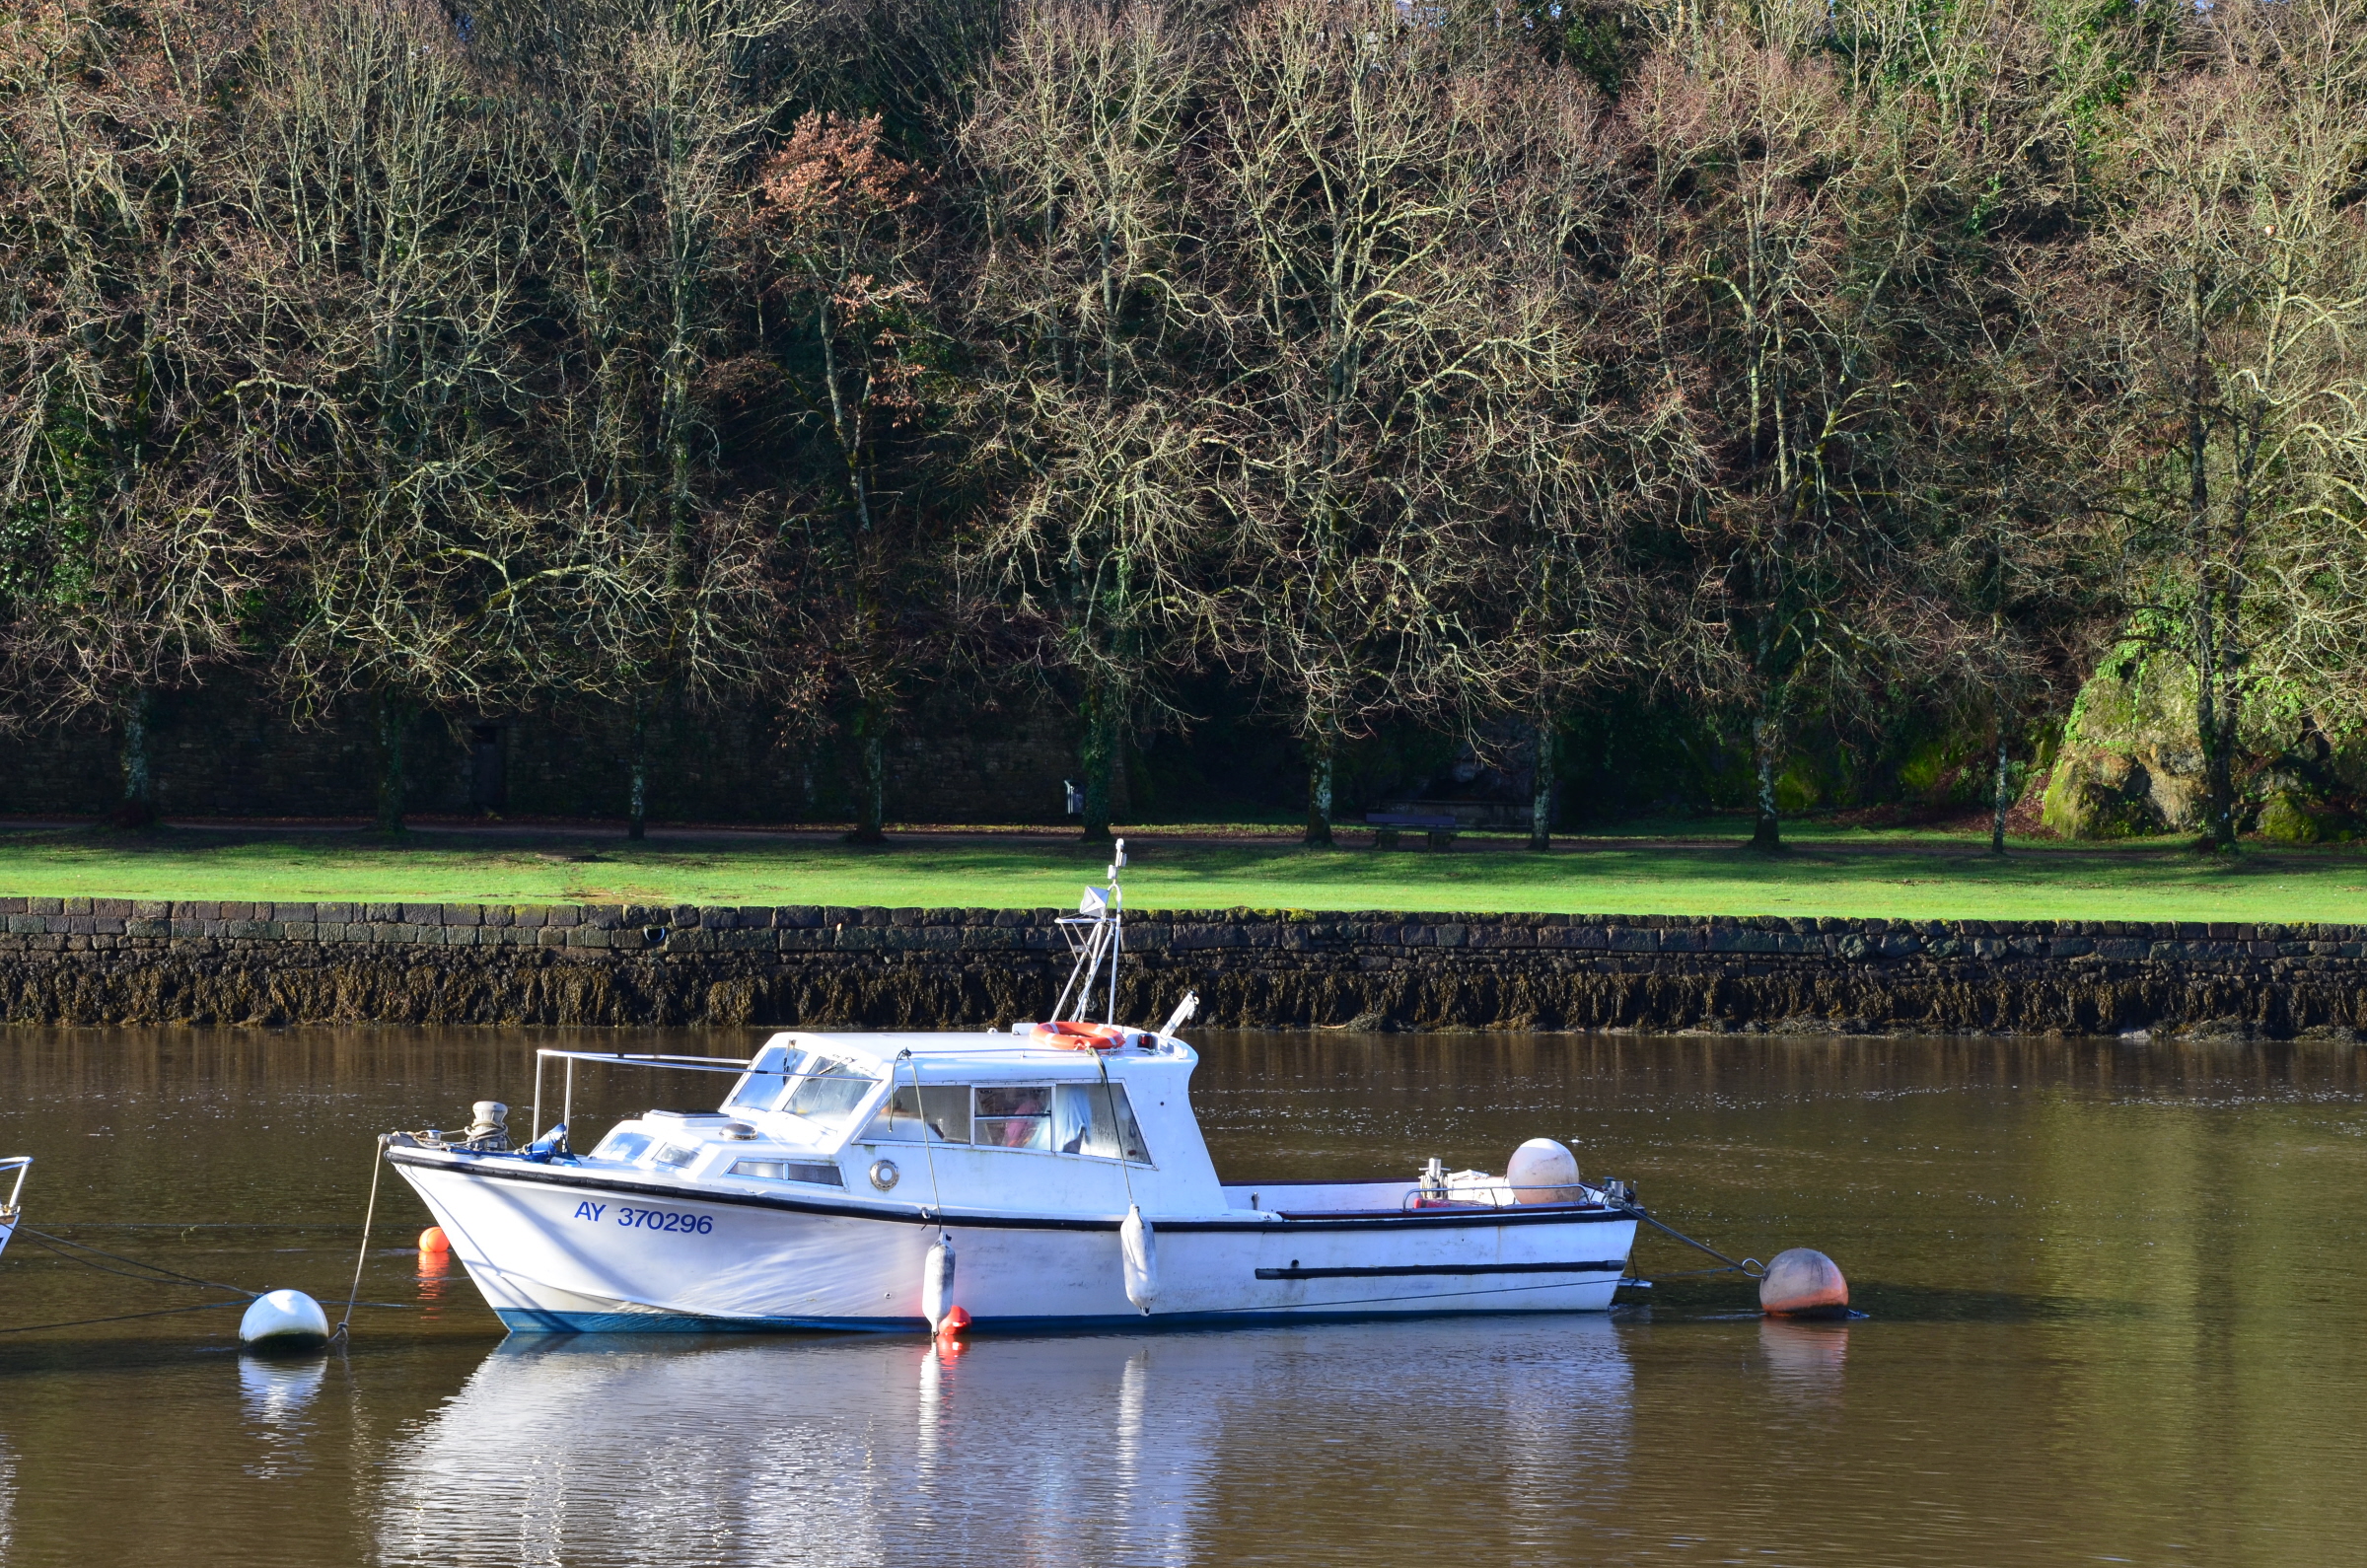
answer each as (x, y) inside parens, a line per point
(1388, 824)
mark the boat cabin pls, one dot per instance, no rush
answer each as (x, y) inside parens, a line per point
(987, 1122)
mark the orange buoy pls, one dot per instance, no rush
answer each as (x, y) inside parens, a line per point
(432, 1239)
(953, 1325)
(1803, 1283)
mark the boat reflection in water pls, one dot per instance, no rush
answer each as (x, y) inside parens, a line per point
(8, 1497)
(1073, 1449)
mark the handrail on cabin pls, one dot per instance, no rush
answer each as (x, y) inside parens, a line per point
(651, 1059)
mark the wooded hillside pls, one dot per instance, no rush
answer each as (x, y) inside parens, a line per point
(1476, 367)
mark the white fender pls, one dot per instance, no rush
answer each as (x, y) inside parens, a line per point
(937, 1282)
(1141, 1250)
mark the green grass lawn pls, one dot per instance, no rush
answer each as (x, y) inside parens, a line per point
(1827, 872)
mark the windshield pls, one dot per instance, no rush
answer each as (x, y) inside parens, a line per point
(829, 1092)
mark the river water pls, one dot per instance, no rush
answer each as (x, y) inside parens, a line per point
(2116, 1312)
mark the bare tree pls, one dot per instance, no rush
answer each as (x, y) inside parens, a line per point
(1089, 319)
(1333, 192)
(130, 479)
(843, 227)
(1775, 275)
(1582, 455)
(642, 122)
(2237, 287)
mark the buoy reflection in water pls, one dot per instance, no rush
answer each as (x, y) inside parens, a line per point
(828, 1450)
(276, 1394)
(435, 1282)
(1805, 1355)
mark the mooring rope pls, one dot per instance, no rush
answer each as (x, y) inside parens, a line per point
(1750, 1267)
(141, 1271)
(1109, 1103)
(189, 1224)
(157, 1273)
(927, 1156)
(119, 1318)
(377, 1166)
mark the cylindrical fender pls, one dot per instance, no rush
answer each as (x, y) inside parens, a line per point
(1141, 1250)
(937, 1283)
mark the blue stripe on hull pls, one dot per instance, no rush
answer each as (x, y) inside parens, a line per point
(529, 1320)
(519, 1321)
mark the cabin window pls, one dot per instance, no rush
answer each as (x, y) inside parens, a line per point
(788, 1170)
(1096, 1119)
(761, 1090)
(829, 1092)
(945, 1107)
(674, 1153)
(1013, 1117)
(623, 1147)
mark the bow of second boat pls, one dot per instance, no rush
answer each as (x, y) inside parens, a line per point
(13, 1170)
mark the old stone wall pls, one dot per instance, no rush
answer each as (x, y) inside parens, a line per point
(109, 961)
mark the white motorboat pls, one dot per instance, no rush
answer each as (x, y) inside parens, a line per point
(12, 1209)
(1053, 1174)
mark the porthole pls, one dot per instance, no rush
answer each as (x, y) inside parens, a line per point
(883, 1174)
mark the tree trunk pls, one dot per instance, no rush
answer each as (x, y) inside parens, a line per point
(2004, 799)
(1540, 799)
(1098, 757)
(2223, 768)
(139, 786)
(1766, 747)
(393, 722)
(2214, 727)
(1318, 792)
(871, 804)
(2213, 730)
(636, 811)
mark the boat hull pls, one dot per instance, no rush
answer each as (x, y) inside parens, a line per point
(558, 1250)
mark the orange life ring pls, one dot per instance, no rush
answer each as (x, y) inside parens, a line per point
(1082, 1036)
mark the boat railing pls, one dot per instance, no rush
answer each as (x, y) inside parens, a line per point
(655, 1060)
(20, 1164)
(1501, 1195)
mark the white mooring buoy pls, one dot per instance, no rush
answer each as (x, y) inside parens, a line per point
(283, 1321)
(1803, 1283)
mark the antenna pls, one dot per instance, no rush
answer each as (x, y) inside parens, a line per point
(1117, 864)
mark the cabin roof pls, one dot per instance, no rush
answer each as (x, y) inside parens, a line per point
(985, 1048)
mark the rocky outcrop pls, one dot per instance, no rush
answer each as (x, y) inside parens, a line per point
(120, 961)
(2130, 764)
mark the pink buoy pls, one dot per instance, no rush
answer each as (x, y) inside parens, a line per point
(1803, 1283)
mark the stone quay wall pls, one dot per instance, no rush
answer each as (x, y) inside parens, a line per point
(119, 961)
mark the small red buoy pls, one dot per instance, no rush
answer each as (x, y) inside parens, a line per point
(1803, 1283)
(432, 1239)
(950, 1327)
